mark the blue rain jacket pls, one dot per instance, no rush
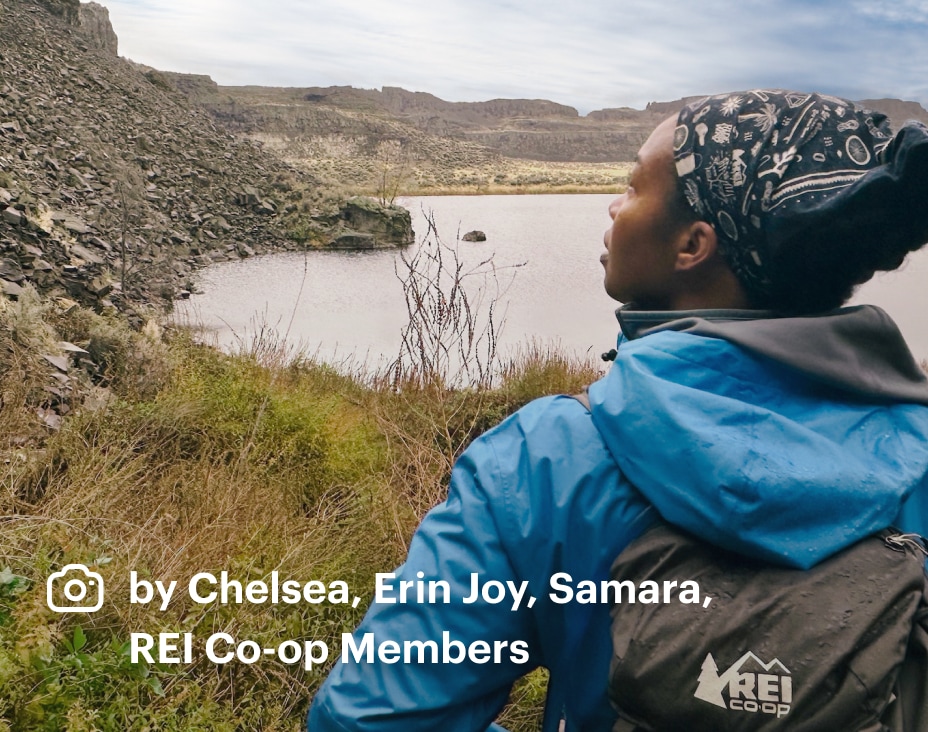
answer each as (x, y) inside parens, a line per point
(790, 461)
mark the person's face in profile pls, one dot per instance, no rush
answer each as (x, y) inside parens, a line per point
(639, 258)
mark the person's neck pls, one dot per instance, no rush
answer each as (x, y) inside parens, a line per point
(721, 291)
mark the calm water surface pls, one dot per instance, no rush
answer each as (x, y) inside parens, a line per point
(545, 252)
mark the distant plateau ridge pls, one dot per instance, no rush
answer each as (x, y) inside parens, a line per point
(359, 137)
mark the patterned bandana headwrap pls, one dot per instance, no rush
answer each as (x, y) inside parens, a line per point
(753, 163)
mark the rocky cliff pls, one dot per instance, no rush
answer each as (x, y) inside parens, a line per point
(68, 10)
(94, 22)
(113, 187)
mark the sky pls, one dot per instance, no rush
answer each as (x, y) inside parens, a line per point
(589, 54)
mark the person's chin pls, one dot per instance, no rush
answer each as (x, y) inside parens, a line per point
(612, 292)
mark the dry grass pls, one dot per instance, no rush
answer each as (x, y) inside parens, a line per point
(458, 168)
(229, 464)
(199, 461)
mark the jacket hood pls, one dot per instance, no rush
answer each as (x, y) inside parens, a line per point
(784, 438)
(857, 349)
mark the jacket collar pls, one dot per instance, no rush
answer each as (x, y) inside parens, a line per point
(856, 349)
(636, 323)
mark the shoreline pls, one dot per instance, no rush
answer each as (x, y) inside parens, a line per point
(505, 191)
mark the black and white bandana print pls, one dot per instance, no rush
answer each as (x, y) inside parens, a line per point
(748, 160)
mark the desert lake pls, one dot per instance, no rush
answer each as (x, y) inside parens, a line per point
(540, 262)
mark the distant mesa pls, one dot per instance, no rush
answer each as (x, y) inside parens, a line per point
(194, 86)
(474, 236)
(897, 110)
(466, 133)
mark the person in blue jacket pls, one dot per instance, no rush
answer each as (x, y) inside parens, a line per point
(742, 406)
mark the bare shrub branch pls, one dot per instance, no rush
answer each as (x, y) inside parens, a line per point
(438, 394)
(452, 332)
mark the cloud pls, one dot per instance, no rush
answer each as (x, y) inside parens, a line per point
(600, 53)
(897, 11)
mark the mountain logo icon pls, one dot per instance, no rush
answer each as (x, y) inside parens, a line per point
(748, 685)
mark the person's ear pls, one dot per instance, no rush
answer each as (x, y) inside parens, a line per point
(696, 245)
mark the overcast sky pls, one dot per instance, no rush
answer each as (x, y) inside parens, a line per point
(590, 54)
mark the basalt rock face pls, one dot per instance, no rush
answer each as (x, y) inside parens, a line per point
(533, 129)
(113, 187)
(94, 22)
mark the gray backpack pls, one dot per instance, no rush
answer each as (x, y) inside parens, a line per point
(840, 647)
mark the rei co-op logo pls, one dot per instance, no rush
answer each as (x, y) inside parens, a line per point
(749, 685)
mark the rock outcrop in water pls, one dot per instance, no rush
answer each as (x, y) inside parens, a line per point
(363, 223)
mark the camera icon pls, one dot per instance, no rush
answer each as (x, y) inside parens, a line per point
(83, 593)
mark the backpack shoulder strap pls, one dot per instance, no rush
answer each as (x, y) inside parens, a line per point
(909, 709)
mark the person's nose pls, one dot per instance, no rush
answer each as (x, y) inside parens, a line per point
(616, 205)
